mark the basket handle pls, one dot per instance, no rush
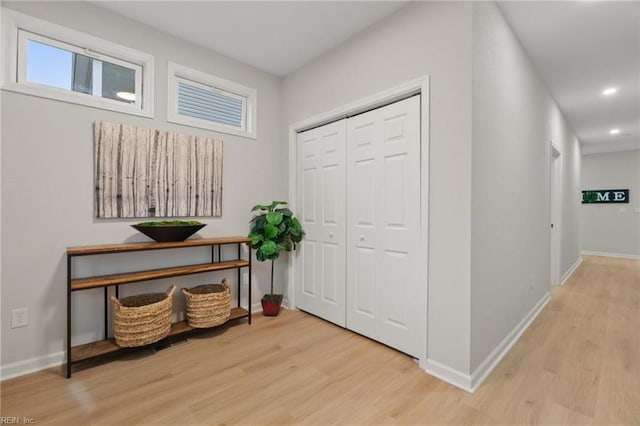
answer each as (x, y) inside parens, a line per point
(171, 290)
(186, 292)
(225, 283)
(115, 301)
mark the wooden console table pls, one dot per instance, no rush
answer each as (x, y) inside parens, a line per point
(102, 347)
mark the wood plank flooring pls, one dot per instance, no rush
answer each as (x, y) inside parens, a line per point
(579, 363)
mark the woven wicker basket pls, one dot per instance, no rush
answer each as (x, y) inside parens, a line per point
(142, 319)
(208, 305)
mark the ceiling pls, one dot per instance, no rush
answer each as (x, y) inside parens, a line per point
(275, 36)
(578, 47)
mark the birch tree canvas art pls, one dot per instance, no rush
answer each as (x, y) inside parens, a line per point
(143, 172)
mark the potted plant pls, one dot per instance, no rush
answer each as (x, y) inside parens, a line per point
(274, 229)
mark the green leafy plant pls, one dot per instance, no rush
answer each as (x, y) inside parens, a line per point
(274, 229)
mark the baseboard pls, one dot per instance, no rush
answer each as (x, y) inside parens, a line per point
(31, 365)
(448, 374)
(571, 270)
(606, 254)
(480, 374)
(471, 383)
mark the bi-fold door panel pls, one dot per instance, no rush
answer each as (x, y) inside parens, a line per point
(320, 275)
(383, 225)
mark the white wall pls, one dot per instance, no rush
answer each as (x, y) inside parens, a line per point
(47, 185)
(571, 193)
(431, 38)
(612, 228)
(514, 120)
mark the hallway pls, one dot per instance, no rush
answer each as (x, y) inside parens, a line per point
(579, 363)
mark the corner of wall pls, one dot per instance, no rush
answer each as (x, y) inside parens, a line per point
(450, 375)
(485, 368)
(472, 382)
(570, 271)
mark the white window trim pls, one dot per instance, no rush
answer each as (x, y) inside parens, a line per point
(13, 21)
(178, 72)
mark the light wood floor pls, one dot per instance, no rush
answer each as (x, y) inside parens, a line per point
(579, 363)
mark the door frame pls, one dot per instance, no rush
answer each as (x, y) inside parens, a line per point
(417, 86)
(555, 215)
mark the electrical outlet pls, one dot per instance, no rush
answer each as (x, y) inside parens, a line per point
(19, 317)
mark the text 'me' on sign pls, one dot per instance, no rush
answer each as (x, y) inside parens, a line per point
(605, 196)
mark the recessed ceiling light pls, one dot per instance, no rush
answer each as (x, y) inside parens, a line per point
(614, 131)
(609, 91)
(127, 96)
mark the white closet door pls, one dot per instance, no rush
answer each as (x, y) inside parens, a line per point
(383, 225)
(320, 268)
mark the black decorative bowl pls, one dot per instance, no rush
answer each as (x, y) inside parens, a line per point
(168, 233)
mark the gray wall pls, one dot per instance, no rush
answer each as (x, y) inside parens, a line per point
(571, 193)
(514, 120)
(47, 184)
(612, 228)
(431, 38)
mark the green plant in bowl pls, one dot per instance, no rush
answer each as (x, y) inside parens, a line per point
(170, 223)
(169, 230)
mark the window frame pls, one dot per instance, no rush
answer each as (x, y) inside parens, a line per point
(18, 28)
(177, 73)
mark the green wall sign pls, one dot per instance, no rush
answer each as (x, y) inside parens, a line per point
(605, 196)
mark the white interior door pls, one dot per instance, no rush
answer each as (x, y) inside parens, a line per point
(320, 268)
(383, 225)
